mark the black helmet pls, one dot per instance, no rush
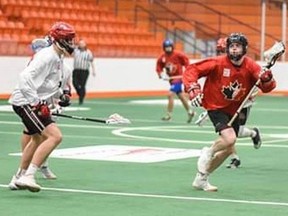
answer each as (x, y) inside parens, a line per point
(240, 39)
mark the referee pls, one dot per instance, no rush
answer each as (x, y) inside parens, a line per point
(83, 59)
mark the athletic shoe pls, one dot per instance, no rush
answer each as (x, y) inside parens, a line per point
(201, 183)
(205, 157)
(202, 118)
(27, 182)
(166, 118)
(12, 185)
(47, 173)
(257, 139)
(190, 117)
(235, 163)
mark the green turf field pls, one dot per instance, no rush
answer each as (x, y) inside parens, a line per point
(126, 178)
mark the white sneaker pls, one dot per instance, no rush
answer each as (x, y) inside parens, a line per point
(28, 182)
(166, 118)
(205, 157)
(12, 185)
(201, 183)
(47, 173)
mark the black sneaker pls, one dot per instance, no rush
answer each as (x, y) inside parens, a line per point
(235, 163)
(257, 139)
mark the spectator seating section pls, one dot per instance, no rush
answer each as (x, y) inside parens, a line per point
(106, 35)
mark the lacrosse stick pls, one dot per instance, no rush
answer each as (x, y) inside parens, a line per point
(175, 77)
(164, 76)
(112, 119)
(202, 118)
(270, 56)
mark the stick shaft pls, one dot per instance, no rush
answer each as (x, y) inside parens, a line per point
(243, 103)
(80, 118)
(175, 77)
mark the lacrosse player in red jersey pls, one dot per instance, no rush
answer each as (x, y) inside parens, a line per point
(229, 79)
(243, 130)
(40, 80)
(169, 67)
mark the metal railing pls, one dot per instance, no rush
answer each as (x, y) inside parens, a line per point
(178, 34)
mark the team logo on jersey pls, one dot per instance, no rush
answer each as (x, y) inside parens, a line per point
(226, 72)
(234, 91)
(170, 68)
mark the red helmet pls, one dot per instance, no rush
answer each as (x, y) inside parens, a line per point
(62, 35)
(221, 46)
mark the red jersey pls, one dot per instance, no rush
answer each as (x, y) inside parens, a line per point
(226, 85)
(173, 64)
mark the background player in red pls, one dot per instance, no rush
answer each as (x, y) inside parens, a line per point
(243, 130)
(229, 79)
(169, 67)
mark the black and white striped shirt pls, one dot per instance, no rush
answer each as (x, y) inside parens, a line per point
(82, 59)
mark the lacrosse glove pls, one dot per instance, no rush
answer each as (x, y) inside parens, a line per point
(64, 100)
(42, 109)
(266, 76)
(195, 94)
(164, 76)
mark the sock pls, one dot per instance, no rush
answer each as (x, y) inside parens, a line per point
(246, 132)
(203, 175)
(32, 169)
(190, 111)
(20, 172)
(253, 133)
(44, 164)
(235, 156)
(210, 152)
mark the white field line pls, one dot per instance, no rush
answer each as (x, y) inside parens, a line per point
(122, 132)
(159, 196)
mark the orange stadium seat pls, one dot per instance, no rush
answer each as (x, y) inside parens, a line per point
(108, 34)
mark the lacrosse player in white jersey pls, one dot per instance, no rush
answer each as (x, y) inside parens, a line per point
(37, 45)
(38, 82)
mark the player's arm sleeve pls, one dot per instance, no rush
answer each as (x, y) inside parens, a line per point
(91, 59)
(68, 79)
(185, 60)
(195, 71)
(31, 79)
(159, 67)
(67, 82)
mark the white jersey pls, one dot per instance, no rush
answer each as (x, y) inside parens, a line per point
(41, 79)
(65, 84)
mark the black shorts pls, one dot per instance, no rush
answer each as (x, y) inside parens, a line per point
(33, 122)
(221, 119)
